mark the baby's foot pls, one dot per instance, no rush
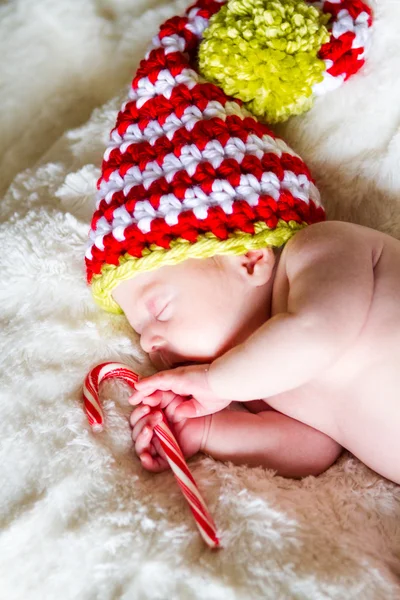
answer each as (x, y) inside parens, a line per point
(189, 435)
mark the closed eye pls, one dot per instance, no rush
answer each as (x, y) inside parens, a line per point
(164, 314)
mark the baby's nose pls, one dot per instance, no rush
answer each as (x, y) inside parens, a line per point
(151, 342)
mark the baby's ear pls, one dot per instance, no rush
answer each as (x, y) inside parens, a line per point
(257, 265)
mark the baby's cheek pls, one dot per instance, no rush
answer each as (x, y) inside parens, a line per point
(196, 336)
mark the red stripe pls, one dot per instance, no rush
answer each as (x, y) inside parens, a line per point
(201, 507)
(347, 64)
(90, 387)
(178, 460)
(161, 107)
(195, 500)
(336, 47)
(177, 26)
(206, 7)
(354, 8)
(123, 374)
(199, 518)
(201, 134)
(158, 61)
(93, 415)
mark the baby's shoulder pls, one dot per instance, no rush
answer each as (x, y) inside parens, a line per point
(326, 233)
(330, 241)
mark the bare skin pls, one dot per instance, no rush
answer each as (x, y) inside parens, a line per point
(314, 358)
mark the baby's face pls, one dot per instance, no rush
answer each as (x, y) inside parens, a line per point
(193, 311)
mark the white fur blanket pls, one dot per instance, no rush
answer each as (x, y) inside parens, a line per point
(80, 519)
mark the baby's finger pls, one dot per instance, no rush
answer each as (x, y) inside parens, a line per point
(152, 448)
(172, 406)
(138, 414)
(143, 440)
(149, 400)
(136, 398)
(164, 380)
(159, 398)
(189, 410)
(154, 464)
(158, 449)
(151, 420)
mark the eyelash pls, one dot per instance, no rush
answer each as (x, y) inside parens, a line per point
(161, 312)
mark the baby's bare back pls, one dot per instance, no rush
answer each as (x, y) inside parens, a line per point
(356, 401)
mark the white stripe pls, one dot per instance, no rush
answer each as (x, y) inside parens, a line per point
(92, 399)
(363, 33)
(329, 82)
(163, 86)
(342, 24)
(170, 43)
(359, 26)
(197, 25)
(109, 367)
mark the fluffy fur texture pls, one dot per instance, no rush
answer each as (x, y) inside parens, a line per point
(79, 516)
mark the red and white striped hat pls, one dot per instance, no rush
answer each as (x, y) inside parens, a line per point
(189, 173)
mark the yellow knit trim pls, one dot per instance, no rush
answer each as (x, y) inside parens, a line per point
(207, 245)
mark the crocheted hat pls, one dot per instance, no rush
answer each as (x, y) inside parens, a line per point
(189, 172)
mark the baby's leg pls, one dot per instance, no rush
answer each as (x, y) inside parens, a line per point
(269, 439)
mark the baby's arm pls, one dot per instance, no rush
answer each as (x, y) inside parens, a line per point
(331, 284)
(269, 439)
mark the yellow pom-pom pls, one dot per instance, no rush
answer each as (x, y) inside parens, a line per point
(265, 53)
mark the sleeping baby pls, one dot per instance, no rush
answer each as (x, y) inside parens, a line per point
(307, 339)
(277, 333)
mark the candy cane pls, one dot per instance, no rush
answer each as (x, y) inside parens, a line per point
(176, 461)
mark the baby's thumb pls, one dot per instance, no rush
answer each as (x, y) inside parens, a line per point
(187, 410)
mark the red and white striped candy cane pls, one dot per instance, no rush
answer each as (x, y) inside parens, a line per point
(94, 412)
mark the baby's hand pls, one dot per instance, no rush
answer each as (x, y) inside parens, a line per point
(189, 435)
(162, 399)
(190, 381)
(147, 445)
